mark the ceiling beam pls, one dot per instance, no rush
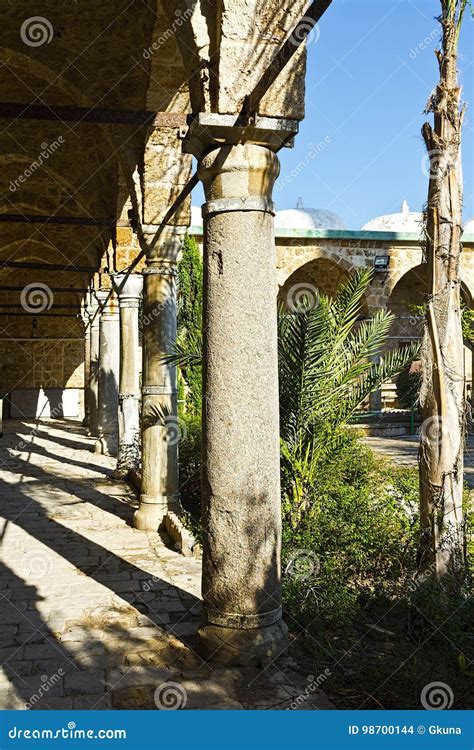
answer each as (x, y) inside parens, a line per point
(48, 266)
(36, 315)
(18, 111)
(53, 219)
(9, 306)
(58, 289)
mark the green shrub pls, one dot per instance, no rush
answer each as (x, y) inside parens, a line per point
(190, 283)
(361, 524)
(190, 463)
(408, 388)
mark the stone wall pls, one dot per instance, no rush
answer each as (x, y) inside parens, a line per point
(322, 259)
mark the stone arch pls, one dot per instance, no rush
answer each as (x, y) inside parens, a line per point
(324, 274)
(47, 252)
(412, 289)
(313, 254)
(30, 67)
(53, 177)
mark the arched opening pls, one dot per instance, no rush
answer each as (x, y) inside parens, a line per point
(319, 275)
(406, 302)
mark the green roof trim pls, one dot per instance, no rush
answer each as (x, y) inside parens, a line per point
(346, 234)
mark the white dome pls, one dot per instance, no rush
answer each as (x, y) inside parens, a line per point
(196, 216)
(469, 227)
(405, 221)
(307, 218)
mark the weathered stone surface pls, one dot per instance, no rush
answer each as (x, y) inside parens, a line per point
(110, 654)
(241, 483)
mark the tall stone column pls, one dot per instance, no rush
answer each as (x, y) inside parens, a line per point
(108, 381)
(128, 288)
(160, 428)
(87, 361)
(241, 581)
(94, 318)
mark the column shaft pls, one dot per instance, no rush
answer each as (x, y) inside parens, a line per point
(160, 428)
(87, 369)
(241, 482)
(94, 316)
(128, 290)
(109, 364)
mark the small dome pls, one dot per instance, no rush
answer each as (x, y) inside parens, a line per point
(196, 216)
(308, 218)
(469, 227)
(405, 221)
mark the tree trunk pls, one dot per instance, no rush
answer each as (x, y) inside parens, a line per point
(442, 396)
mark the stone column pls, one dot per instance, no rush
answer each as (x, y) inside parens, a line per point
(108, 381)
(128, 288)
(241, 480)
(87, 361)
(94, 318)
(160, 428)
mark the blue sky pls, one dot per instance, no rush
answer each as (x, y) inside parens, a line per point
(371, 68)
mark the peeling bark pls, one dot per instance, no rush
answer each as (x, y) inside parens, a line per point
(442, 396)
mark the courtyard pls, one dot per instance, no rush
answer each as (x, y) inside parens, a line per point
(237, 346)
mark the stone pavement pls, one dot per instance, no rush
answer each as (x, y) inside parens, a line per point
(95, 614)
(404, 451)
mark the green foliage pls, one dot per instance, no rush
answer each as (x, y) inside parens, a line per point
(361, 523)
(326, 374)
(408, 388)
(467, 322)
(190, 462)
(467, 319)
(190, 286)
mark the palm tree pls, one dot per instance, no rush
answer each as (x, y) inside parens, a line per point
(442, 397)
(327, 371)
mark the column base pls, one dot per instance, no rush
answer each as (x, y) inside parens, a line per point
(254, 647)
(149, 516)
(107, 446)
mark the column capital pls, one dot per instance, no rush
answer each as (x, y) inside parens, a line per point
(128, 288)
(93, 311)
(163, 249)
(238, 178)
(209, 130)
(107, 303)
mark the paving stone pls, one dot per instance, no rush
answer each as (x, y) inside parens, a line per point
(84, 682)
(97, 701)
(113, 606)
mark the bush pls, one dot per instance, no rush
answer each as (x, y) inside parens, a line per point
(190, 463)
(408, 388)
(362, 526)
